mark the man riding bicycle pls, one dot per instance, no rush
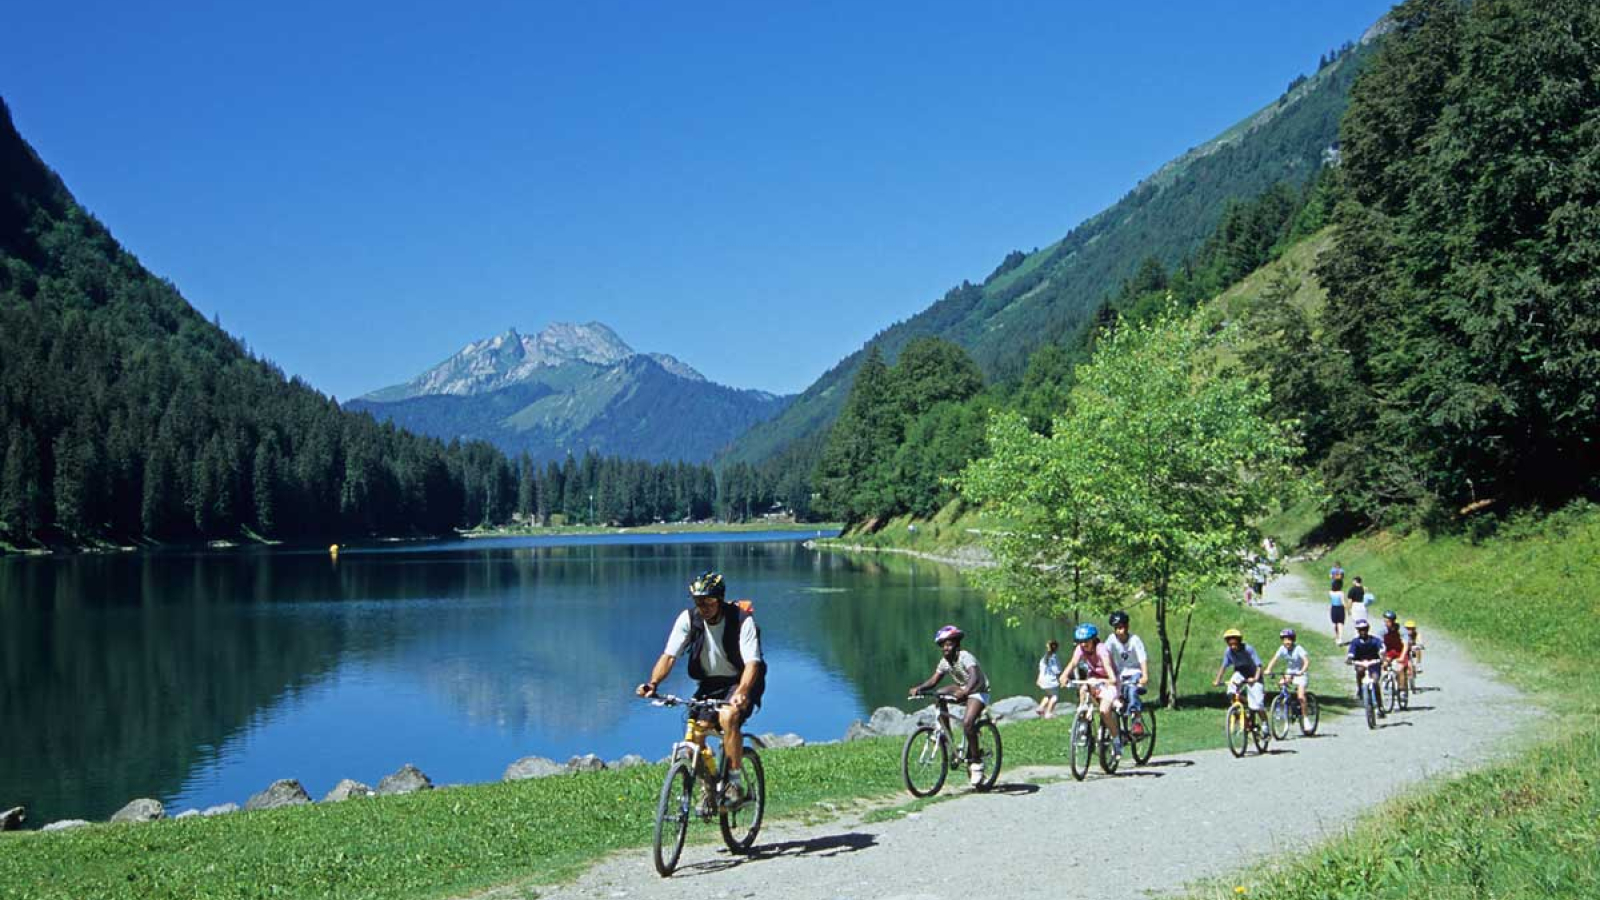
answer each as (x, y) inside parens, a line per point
(1297, 660)
(1131, 662)
(971, 688)
(1091, 662)
(1246, 665)
(1366, 654)
(723, 644)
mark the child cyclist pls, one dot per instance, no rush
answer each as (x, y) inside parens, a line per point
(1094, 658)
(972, 689)
(1296, 659)
(1246, 665)
(1414, 646)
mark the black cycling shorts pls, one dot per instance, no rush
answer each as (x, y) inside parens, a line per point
(719, 689)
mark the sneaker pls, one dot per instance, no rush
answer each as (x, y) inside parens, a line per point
(1116, 746)
(975, 773)
(733, 793)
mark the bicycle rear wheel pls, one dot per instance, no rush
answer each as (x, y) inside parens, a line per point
(672, 815)
(741, 824)
(924, 762)
(1310, 715)
(989, 753)
(1238, 740)
(1143, 725)
(1082, 746)
(1278, 717)
(1260, 731)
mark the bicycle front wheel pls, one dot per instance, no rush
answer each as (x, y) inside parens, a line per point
(740, 824)
(1371, 703)
(1238, 739)
(1279, 717)
(1109, 757)
(672, 815)
(924, 762)
(1391, 690)
(1082, 747)
(1143, 737)
(1310, 715)
(1402, 693)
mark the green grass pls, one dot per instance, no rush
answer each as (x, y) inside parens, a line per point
(953, 528)
(1526, 600)
(450, 842)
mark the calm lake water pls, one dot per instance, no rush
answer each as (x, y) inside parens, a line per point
(199, 678)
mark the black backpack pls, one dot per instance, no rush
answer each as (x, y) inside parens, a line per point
(733, 614)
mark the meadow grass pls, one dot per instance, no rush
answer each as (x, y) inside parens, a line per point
(458, 840)
(1525, 600)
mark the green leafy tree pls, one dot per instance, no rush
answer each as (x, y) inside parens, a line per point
(1143, 492)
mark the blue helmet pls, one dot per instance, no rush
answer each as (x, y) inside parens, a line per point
(1086, 632)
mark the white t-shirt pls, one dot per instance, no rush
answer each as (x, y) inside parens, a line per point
(712, 659)
(1298, 660)
(1127, 656)
(961, 672)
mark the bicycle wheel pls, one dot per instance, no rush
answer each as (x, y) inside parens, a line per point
(925, 762)
(672, 815)
(1402, 693)
(989, 752)
(1082, 747)
(1143, 726)
(1391, 690)
(741, 824)
(1238, 740)
(1371, 703)
(1260, 731)
(1278, 717)
(1109, 757)
(1310, 715)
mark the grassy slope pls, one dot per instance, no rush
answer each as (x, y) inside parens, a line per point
(447, 842)
(1529, 827)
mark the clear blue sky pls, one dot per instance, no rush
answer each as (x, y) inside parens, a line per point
(360, 188)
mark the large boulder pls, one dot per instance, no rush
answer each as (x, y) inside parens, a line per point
(221, 809)
(859, 731)
(782, 741)
(187, 814)
(586, 763)
(628, 761)
(283, 792)
(346, 789)
(1011, 708)
(407, 779)
(143, 810)
(532, 767)
(12, 819)
(65, 824)
(889, 720)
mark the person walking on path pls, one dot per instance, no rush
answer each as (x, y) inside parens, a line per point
(1049, 680)
(1336, 602)
(1358, 600)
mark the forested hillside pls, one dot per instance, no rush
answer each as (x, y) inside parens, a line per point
(1051, 295)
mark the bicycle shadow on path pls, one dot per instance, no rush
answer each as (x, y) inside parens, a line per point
(821, 846)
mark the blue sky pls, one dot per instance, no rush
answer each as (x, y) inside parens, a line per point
(358, 189)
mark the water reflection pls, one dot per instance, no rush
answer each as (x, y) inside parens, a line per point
(199, 678)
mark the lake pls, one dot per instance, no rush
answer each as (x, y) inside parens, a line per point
(200, 677)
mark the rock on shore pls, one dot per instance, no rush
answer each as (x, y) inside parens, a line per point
(142, 810)
(347, 789)
(283, 792)
(532, 767)
(408, 779)
(12, 819)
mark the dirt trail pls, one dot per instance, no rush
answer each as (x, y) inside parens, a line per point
(1178, 817)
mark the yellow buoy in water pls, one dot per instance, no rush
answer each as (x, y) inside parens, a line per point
(333, 549)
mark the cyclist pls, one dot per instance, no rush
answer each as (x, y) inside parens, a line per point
(1336, 601)
(1131, 663)
(723, 644)
(1366, 654)
(971, 688)
(1246, 665)
(1414, 645)
(1091, 662)
(1394, 648)
(1296, 659)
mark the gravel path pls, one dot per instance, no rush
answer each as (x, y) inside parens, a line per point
(1071, 839)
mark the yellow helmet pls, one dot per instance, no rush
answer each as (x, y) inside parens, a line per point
(1411, 623)
(1232, 632)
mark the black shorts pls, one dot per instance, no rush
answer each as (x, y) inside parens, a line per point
(719, 689)
(1336, 613)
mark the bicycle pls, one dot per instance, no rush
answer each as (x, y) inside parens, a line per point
(1137, 724)
(926, 760)
(1394, 688)
(1242, 727)
(1286, 707)
(1367, 688)
(692, 763)
(1089, 734)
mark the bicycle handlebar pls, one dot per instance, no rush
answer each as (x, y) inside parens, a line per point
(665, 700)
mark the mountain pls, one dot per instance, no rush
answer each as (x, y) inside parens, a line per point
(570, 389)
(1053, 293)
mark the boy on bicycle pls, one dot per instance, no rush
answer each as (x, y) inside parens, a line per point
(1297, 660)
(1366, 654)
(1394, 648)
(1131, 662)
(1246, 665)
(971, 688)
(1091, 662)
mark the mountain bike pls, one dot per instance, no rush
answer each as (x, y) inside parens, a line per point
(1243, 728)
(1394, 688)
(1367, 688)
(692, 764)
(1090, 736)
(927, 758)
(1138, 725)
(1286, 708)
